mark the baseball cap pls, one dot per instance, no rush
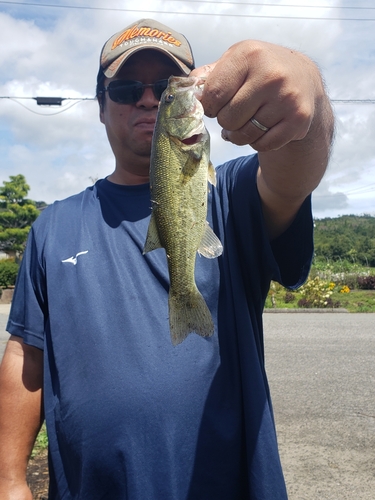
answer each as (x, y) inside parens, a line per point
(145, 34)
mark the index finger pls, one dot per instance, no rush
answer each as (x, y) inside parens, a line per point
(203, 71)
(223, 80)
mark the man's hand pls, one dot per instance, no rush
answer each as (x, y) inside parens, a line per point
(277, 86)
(14, 491)
(282, 90)
(21, 381)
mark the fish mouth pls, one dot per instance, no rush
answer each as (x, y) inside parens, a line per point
(194, 136)
(189, 141)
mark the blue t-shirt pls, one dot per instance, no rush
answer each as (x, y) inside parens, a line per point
(129, 415)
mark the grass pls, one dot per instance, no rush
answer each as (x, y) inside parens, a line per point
(354, 301)
(359, 301)
(336, 282)
(41, 442)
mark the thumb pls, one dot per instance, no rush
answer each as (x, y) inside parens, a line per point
(203, 71)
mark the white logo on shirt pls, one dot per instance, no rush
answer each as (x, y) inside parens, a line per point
(73, 260)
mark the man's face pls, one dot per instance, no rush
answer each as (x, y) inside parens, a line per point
(130, 126)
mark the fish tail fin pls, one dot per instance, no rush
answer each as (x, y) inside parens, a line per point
(189, 313)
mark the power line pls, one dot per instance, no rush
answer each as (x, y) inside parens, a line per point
(365, 189)
(354, 101)
(51, 101)
(66, 108)
(197, 13)
(57, 101)
(348, 194)
(368, 188)
(216, 2)
(257, 4)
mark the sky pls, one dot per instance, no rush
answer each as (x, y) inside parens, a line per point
(51, 48)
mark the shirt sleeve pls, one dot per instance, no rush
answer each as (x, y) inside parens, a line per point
(286, 259)
(29, 309)
(293, 250)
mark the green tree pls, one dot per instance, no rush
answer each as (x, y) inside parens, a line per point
(348, 238)
(15, 190)
(17, 213)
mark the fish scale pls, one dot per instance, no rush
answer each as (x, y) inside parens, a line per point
(179, 172)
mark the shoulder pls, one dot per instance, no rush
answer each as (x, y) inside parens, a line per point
(235, 199)
(63, 218)
(66, 209)
(238, 170)
(237, 178)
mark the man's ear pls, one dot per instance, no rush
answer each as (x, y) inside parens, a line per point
(101, 109)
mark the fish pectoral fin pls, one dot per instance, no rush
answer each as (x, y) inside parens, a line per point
(211, 174)
(152, 239)
(191, 166)
(210, 246)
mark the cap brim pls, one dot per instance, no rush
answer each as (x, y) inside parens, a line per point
(117, 64)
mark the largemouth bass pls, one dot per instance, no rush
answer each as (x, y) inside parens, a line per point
(179, 170)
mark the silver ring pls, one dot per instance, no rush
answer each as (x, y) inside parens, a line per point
(261, 127)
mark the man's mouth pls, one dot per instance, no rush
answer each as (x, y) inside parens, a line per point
(146, 122)
(145, 125)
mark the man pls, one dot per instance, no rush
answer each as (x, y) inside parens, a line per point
(129, 416)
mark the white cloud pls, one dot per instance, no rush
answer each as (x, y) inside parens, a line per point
(55, 52)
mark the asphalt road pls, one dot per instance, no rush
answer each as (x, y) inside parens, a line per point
(321, 369)
(4, 312)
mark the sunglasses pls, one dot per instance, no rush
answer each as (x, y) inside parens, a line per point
(130, 91)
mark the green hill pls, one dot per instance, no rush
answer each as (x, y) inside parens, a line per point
(349, 237)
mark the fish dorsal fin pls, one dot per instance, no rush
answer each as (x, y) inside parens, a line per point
(152, 240)
(211, 174)
(210, 246)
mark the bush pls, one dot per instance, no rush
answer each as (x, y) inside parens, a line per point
(8, 273)
(350, 280)
(315, 293)
(304, 303)
(329, 303)
(333, 304)
(289, 297)
(366, 282)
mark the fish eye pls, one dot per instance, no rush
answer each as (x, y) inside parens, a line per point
(169, 98)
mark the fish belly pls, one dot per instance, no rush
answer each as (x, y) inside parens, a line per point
(180, 211)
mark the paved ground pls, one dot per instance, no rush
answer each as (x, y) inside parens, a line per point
(4, 312)
(321, 370)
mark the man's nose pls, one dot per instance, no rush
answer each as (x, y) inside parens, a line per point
(148, 99)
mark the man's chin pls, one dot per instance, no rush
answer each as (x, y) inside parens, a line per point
(145, 151)
(144, 147)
